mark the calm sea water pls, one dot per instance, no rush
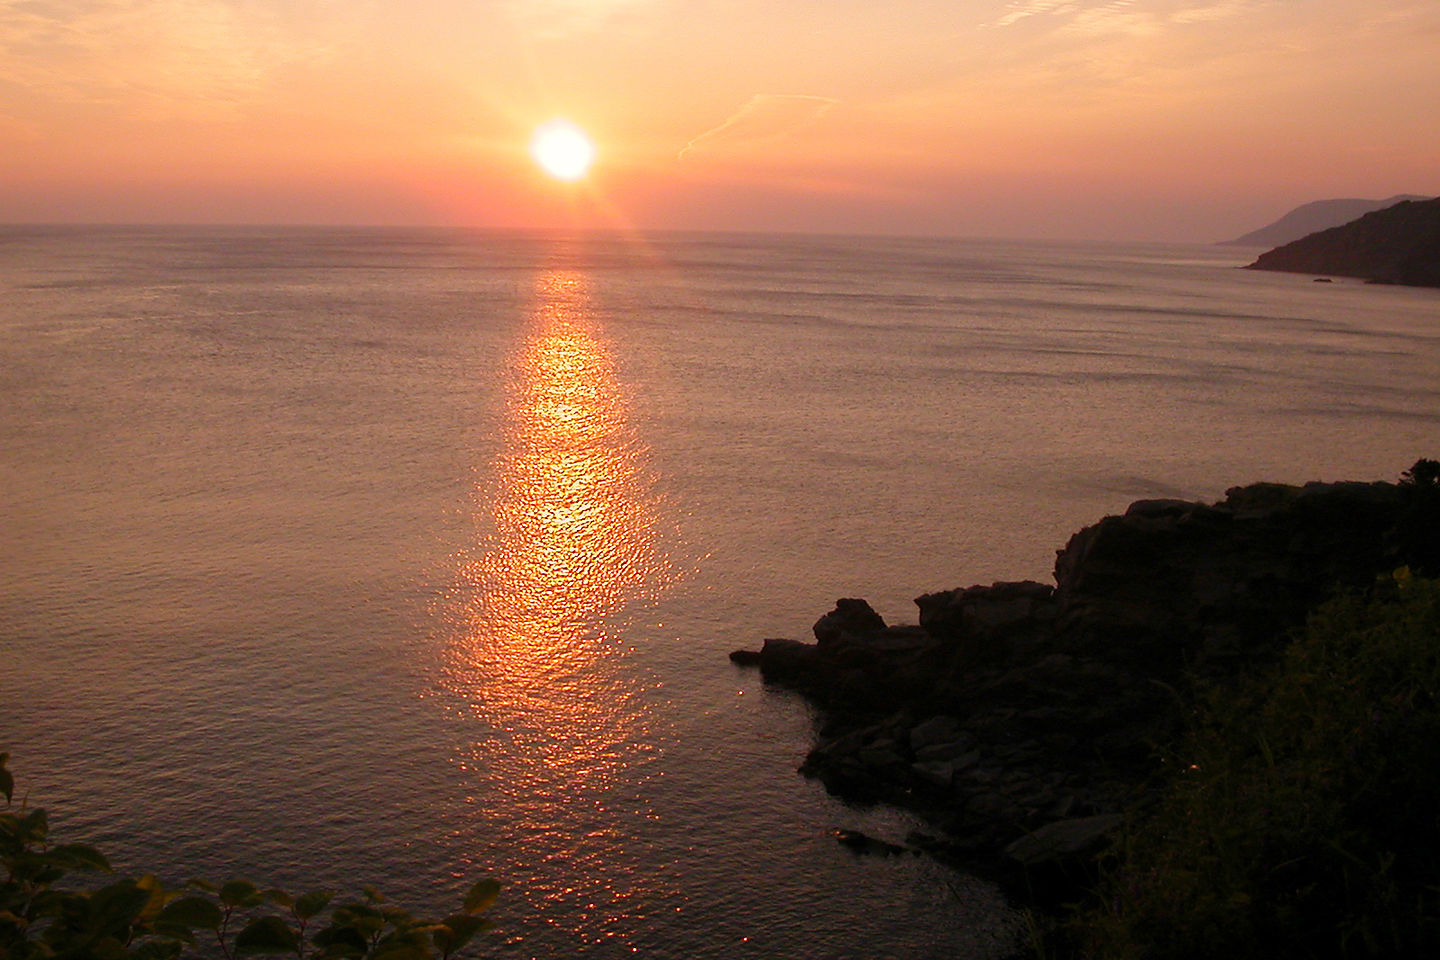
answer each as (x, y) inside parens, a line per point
(406, 558)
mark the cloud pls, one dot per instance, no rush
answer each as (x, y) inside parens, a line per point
(158, 56)
(1223, 10)
(1024, 9)
(1125, 16)
(763, 116)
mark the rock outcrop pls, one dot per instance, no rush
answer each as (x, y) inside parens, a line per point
(1400, 244)
(1025, 710)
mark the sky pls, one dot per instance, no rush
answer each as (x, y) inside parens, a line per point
(1128, 119)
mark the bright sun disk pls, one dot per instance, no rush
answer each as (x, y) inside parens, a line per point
(562, 150)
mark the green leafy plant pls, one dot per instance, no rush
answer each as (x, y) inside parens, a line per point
(1300, 818)
(46, 913)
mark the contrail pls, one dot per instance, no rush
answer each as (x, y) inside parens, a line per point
(764, 115)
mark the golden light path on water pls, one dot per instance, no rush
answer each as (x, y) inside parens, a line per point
(565, 729)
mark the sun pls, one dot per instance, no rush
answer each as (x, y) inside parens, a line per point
(562, 150)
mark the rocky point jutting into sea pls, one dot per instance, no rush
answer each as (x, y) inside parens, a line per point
(1021, 719)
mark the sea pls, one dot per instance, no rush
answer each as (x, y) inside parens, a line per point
(336, 557)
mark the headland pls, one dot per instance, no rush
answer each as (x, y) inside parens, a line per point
(1023, 719)
(1400, 244)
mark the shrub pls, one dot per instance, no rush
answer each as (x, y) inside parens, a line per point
(1302, 813)
(47, 911)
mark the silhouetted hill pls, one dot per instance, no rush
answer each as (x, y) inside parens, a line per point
(1400, 244)
(1313, 217)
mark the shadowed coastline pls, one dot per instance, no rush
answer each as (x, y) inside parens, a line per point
(1022, 719)
(1400, 245)
(1311, 218)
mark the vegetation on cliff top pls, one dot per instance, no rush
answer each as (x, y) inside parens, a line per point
(1300, 817)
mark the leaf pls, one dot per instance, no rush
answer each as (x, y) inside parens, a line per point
(106, 948)
(33, 827)
(361, 916)
(157, 950)
(279, 897)
(53, 903)
(77, 856)
(309, 904)
(411, 936)
(32, 867)
(240, 893)
(266, 936)
(116, 907)
(481, 896)
(456, 932)
(400, 951)
(159, 896)
(173, 932)
(335, 941)
(191, 912)
(397, 917)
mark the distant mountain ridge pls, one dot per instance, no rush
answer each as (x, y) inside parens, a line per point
(1313, 217)
(1400, 244)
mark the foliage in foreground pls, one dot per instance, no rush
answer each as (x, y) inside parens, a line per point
(45, 913)
(1303, 819)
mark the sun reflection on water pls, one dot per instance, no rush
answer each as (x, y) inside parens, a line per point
(563, 732)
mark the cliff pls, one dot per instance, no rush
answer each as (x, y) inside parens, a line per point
(1400, 244)
(1021, 718)
(1312, 218)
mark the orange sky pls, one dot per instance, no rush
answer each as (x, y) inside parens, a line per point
(1146, 119)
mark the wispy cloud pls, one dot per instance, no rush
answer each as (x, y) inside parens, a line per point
(763, 116)
(1208, 12)
(1024, 9)
(1123, 16)
(162, 56)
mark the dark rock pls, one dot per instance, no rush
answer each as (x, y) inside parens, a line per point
(936, 731)
(989, 625)
(1170, 585)
(793, 661)
(1159, 508)
(851, 618)
(746, 658)
(937, 773)
(960, 754)
(864, 844)
(1063, 838)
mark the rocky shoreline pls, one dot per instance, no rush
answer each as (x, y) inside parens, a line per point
(1022, 719)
